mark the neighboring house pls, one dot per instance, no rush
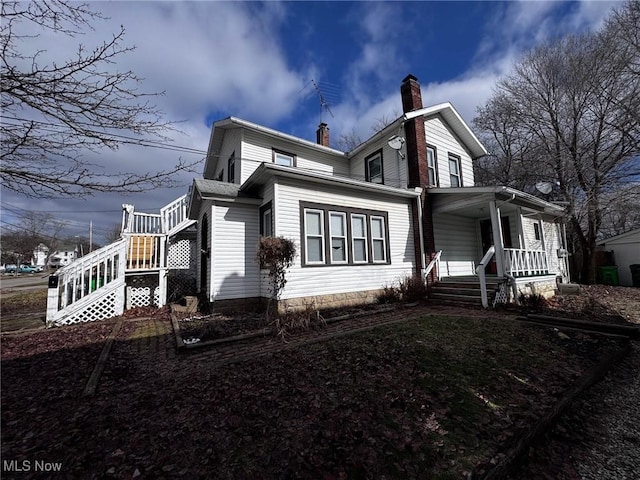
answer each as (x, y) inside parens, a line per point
(626, 252)
(63, 256)
(40, 254)
(393, 207)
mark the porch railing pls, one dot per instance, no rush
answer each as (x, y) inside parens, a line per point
(481, 274)
(101, 270)
(435, 262)
(520, 262)
(174, 214)
(145, 252)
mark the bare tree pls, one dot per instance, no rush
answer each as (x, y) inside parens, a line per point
(31, 228)
(570, 102)
(348, 141)
(53, 112)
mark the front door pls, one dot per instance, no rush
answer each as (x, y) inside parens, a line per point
(486, 236)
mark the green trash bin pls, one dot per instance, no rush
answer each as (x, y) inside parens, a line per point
(635, 274)
(609, 275)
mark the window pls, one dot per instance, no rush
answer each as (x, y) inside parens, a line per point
(432, 166)
(314, 236)
(284, 159)
(338, 232)
(359, 237)
(353, 236)
(266, 220)
(220, 176)
(373, 168)
(379, 249)
(454, 170)
(231, 168)
(536, 230)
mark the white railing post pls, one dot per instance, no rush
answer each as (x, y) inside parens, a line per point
(481, 275)
(53, 299)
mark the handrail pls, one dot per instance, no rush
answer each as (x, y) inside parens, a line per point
(481, 275)
(435, 261)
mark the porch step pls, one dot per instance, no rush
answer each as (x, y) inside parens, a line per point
(454, 299)
(462, 290)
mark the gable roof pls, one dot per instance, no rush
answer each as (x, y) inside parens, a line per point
(625, 237)
(450, 116)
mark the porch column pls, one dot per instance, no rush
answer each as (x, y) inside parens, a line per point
(498, 243)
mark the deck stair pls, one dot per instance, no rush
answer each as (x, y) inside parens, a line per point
(93, 287)
(464, 290)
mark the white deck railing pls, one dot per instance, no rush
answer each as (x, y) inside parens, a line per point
(174, 214)
(481, 274)
(521, 262)
(435, 262)
(100, 270)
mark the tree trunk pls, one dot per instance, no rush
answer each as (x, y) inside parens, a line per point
(588, 273)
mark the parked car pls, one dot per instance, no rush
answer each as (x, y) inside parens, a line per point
(10, 268)
(27, 269)
(39, 268)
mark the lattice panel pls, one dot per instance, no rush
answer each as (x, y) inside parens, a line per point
(181, 254)
(106, 307)
(502, 295)
(142, 297)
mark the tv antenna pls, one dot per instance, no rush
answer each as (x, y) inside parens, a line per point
(324, 105)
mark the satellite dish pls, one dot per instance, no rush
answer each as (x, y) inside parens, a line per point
(396, 142)
(544, 187)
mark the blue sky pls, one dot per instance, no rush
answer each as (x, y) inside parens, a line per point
(257, 60)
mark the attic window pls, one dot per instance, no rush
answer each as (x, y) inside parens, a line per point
(454, 170)
(432, 166)
(284, 159)
(373, 168)
(232, 168)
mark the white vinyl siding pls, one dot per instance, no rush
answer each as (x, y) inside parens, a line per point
(439, 135)
(394, 167)
(457, 237)
(232, 143)
(235, 231)
(257, 148)
(327, 280)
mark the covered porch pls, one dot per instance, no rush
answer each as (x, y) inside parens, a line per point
(499, 232)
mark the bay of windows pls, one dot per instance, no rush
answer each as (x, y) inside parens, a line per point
(334, 235)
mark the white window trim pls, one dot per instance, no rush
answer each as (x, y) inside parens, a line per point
(288, 156)
(433, 168)
(458, 175)
(343, 215)
(378, 239)
(354, 238)
(322, 261)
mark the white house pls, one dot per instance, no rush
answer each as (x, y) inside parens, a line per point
(398, 204)
(626, 252)
(40, 254)
(62, 257)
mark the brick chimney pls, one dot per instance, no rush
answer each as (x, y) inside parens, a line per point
(416, 145)
(322, 135)
(414, 131)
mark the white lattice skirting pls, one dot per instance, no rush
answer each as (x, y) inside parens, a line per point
(181, 254)
(106, 307)
(141, 297)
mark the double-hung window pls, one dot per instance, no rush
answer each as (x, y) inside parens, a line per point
(359, 238)
(454, 171)
(378, 240)
(432, 166)
(338, 232)
(373, 168)
(284, 159)
(336, 235)
(314, 236)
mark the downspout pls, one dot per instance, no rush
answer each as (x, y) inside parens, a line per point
(419, 208)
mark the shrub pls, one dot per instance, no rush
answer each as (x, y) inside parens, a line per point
(276, 254)
(412, 288)
(532, 302)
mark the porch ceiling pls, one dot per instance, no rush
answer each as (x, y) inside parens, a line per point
(473, 202)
